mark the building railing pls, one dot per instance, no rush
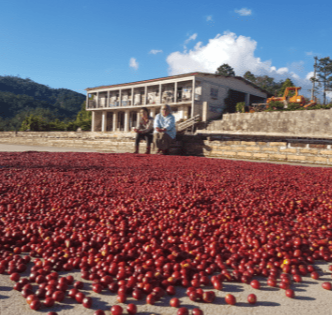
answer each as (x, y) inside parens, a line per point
(188, 123)
(92, 104)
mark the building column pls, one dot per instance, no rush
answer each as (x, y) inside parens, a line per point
(185, 112)
(93, 117)
(97, 103)
(115, 121)
(247, 99)
(108, 99)
(204, 111)
(137, 118)
(126, 121)
(103, 121)
(153, 112)
(160, 92)
(145, 94)
(120, 97)
(87, 101)
(132, 96)
(193, 98)
(175, 92)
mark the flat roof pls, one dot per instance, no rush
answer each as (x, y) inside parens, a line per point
(177, 76)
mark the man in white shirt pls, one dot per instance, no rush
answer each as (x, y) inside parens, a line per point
(164, 130)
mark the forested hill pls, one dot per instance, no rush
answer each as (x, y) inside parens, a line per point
(19, 95)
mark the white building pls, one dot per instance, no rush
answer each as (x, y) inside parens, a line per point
(116, 107)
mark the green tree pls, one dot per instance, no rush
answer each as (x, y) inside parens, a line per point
(287, 83)
(324, 75)
(17, 94)
(268, 84)
(83, 118)
(225, 70)
(34, 123)
(250, 77)
(56, 125)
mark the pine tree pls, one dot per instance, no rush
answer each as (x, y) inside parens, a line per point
(287, 83)
(250, 77)
(324, 74)
(225, 70)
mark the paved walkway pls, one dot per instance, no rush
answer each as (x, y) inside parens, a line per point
(22, 148)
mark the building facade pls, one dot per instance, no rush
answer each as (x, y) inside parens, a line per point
(116, 107)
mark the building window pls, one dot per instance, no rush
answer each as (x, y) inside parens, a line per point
(214, 93)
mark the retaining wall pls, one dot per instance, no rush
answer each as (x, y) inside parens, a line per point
(310, 151)
(99, 141)
(112, 142)
(306, 123)
(307, 151)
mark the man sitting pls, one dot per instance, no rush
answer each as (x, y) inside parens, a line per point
(164, 130)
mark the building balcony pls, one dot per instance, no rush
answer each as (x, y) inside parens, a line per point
(138, 102)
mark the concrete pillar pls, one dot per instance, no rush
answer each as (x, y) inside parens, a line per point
(132, 96)
(204, 111)
(145, 94)
(247, 99)
(120, 97)
(87, 101)
(153, 112)
(126, 121)
(185, 112)
(108, 99)
(115, 121)
(97, 103)
(160, 92)
(93, 117)
(137, 118)
(193, 98)
(103, 121)
(175, 92)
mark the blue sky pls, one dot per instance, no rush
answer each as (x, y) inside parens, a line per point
(79, 44)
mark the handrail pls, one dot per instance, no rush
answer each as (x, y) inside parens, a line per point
(188, 123)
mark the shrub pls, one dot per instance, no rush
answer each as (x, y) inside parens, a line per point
(295, 106)
(275, 106)
(240, 107)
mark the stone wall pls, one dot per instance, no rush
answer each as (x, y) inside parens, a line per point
(303, 151)
(307, 151)
(306, 123)
(99, 141)
(112, 142)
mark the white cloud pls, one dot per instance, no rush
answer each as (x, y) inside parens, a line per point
(309, 75)
(192, 37)
(312, 53)
(133, 63)
(155, 51)
(209, 18)
(282, 70)
(243, 11)
(238, 52)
